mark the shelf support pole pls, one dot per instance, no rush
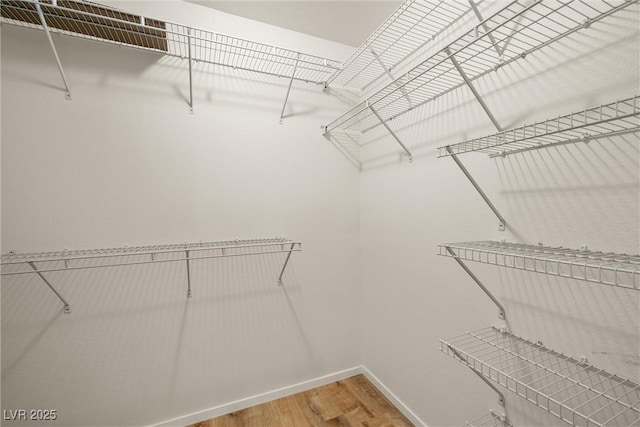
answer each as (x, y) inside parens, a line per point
(496, 389)
(406, 150)
(188, 276)
(481, 19)
(67, 309)
(473, 89)
(284, 266)
(502, 224)
(67, 93)
(388, 72)
(286, 98)
(190, 72)
(501, 312)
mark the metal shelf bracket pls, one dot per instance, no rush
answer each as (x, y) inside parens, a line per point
(67, 93)
(501, 311)
(404, 147)
(190, 72)
(284, 266)
(67, 309)
(286, 98)
(466, 362)
(502, 223)
(188, 275)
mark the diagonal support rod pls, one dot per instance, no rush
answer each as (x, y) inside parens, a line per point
(190, 73)
(188, 275)
(473, 89)
(67, 309)
(286, 98)
(388, 72)
(496, 389)
(502, 224)
(392, 133)
(284, 266)
(486, 29)
(67, 93)
(501, 312)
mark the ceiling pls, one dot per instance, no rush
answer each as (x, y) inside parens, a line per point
(347, 22)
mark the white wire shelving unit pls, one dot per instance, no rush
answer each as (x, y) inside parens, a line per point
(619, 270)
(14, 264)
(512, 33)
(572, 390)
(605, 120)
(411, 27)
(492, 419)
(88, 20)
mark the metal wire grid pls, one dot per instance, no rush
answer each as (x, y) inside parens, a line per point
(81, 20)
(615, 118)
(414, 24)
(510, 34)
(570, 389)
(113, 257)
(488, 420)
(611, 269)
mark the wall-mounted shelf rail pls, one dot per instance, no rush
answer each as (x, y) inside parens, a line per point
(25, 263)
(615, 118)
(412, 26)
(93, 21)
(611, 269)
(492, 419)
(512, 33)
(572, 390)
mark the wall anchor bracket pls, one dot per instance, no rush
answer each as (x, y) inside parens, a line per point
(503, 222)
(501, 311)
(67, 309)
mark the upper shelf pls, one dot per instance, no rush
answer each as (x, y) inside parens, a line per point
(93, 21)
(134, 255)
(570, 389)
(512, 33)
(598, 267)
(615, 118)
(412, 26)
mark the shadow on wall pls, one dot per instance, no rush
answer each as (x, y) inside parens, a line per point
(130, 323)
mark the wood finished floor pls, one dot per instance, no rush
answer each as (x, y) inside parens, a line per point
(353, 402)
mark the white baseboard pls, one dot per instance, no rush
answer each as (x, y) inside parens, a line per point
(258, 399)
(393, 398)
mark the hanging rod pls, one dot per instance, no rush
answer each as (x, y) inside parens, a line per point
(411, 27)
(620, 270)
(572, 390)
(76, 260)
(614, 118)
(520, 28)
(88, 20)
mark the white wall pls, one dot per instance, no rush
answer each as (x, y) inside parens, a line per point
(125, 163)
(569, 195)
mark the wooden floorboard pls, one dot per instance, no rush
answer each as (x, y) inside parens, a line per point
(353, 402)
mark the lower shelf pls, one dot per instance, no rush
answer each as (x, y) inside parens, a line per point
(488, 420)
(570, 389)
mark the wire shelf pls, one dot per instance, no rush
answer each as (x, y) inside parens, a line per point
(512, 33)
(572, 390)
(612, 269)
(488, 420)
(616, 118)
(92, 21)
(412, 26)
(134, 255)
